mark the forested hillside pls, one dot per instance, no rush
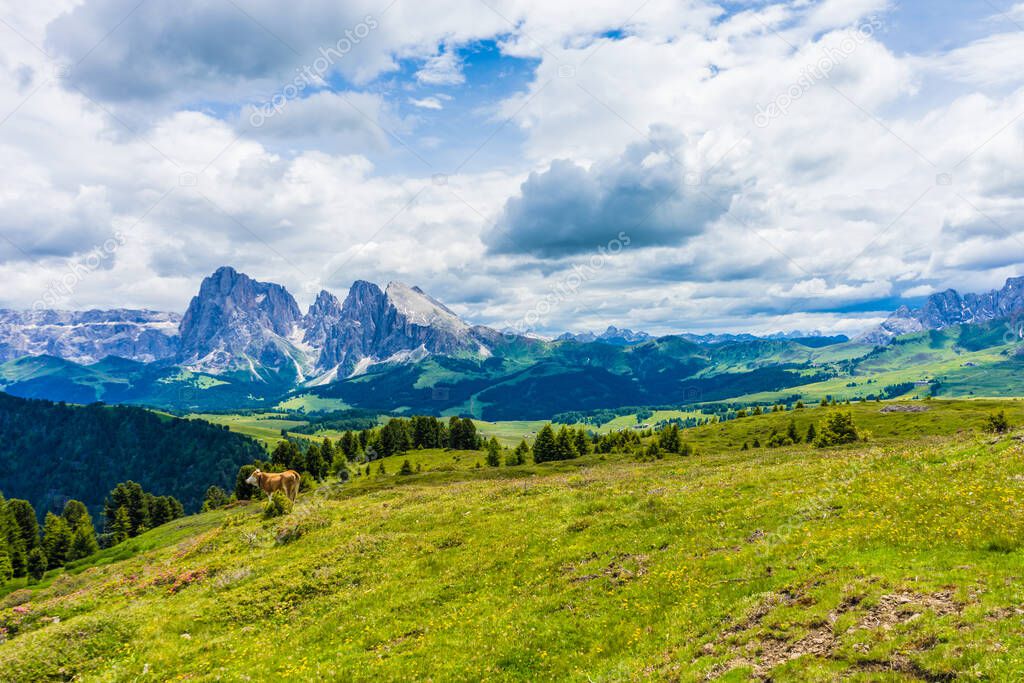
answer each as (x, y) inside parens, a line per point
(50, 452)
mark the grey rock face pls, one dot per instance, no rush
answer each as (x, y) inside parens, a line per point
(372, 326)
(237, 323)
(948, 308)
(89, 336)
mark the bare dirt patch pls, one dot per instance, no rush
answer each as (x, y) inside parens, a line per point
(764, 653)
(904, 409)
(621, 569)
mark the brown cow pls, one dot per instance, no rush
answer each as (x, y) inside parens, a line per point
(287, 481)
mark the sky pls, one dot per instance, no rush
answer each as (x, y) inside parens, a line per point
(664, 165)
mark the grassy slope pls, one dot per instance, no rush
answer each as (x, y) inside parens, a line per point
(900, 556)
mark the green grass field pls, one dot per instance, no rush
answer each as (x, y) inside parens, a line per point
(898, 559)
(264, 427)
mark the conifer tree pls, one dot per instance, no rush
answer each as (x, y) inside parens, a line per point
(37, 564)
(581, 441)
(565, 445)
(216, 497)
(544, 445)
(83, 534)
(120, 526)
(518, 456)
(812, 434)
(83, 543)
(315, 463)
(56, 540)
(493, 453)
(244, 491)
(669, 439)
(791, 433)
(328, 453)
(24, 518)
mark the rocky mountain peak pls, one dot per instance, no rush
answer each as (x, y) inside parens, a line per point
(236, 322)
(420, 308)
(947, 308)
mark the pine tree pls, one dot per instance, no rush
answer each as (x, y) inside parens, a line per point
(83, 543)
(24, 517)
(518, 456)
(37, 564)
(791, 433)
(406, 467)
(216, 497)
(493, 453)
(83, 534)
(315, 463)
(812, 434)
(544, 445)
(581, 441)
(329, 455)
(565, 447)
(6, 568)
(56, 540)
(134, 500)
(120, 526)
(669, 439)
(837, 428)
(244, 491)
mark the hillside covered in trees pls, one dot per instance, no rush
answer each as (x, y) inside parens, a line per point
(52, 452)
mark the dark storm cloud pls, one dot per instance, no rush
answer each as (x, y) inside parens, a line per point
(646, 194)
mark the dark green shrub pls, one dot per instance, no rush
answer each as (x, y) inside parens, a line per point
(278, 505)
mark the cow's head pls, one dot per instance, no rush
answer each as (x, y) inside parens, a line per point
(254, 478)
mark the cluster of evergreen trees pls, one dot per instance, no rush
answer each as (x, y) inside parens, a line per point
(129, 510)
(565, 445)
(27, 550)
(50, 452)
(399, 435)
(836, 428)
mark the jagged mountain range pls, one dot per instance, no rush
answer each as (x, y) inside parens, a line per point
(245, 343)
(236, 324)
(949, 308)
(240, 325)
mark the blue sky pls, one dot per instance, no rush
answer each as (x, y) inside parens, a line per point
(669, 166)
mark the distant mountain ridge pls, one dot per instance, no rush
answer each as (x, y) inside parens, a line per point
(245, 332)
(948, 308)
(612, 335)
(89, 336)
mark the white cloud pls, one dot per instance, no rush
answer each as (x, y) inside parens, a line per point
(835, 202)
(426, 103)
(444, 68)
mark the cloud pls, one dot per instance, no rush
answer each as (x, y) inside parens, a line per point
(643, 194)
(331, 121)
(731, 225)
(444, 68)
(426, 103)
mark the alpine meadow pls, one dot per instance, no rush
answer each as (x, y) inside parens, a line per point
(507, 340)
